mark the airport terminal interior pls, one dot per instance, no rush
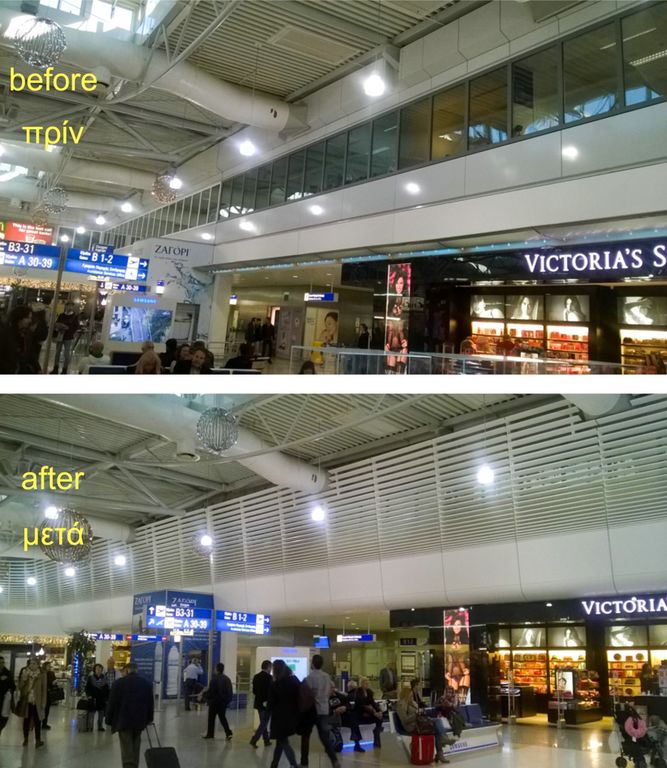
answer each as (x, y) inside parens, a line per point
(333, 186)
(505, 552)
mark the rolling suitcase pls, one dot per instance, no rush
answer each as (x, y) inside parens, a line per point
(159, 756)
(85, 721)
(422, 749)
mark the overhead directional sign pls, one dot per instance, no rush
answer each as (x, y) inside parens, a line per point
(179, 619)
(238, 621)
(147, 638)
(355, 638)
(29, 255)
(105, 263)
(129, 287)
(105, 636)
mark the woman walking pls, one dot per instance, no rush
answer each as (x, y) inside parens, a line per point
(97, 690)
(284, 707)
(32, 701)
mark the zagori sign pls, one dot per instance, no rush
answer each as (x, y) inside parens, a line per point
(625, 260)
(630, 606)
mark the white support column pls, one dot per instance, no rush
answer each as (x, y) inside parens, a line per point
(222, 290)
(229, 644)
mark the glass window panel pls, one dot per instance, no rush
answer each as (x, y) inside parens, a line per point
(488, 109)
(225, 198)
(249, 188)
(590, 74)
(194, 210)
(358, 153)
(535, 97)
(385, 145)
(203, 207)
(297, 162)
(278, 180)
(178, 215)
(213, 204)
(185, 219)
(236, 203)
(262, 198)
(334, 166)
(415, 143)
(314, 167)
(644, 51)
(448, 133)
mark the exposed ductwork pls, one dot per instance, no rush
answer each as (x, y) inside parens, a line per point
(22, 189)
(594, 406)
(143, 65)
(170, 416)
(34, 157)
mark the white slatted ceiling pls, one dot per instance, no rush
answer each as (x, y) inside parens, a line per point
(555, 473)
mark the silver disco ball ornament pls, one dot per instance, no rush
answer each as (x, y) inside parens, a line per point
(71, 545)
(55, 200)
(217, 430)
(162, 190)
(40, 42)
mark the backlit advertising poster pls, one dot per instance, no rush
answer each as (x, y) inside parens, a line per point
(27, 233)
(397, 316)
(457, 651)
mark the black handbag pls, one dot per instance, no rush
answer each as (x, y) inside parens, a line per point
(56, 694)
(87, 705)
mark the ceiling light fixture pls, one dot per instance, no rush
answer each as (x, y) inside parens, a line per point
(206, 540)
(127, 207)
(51, 513)
(175, 183)
(572, 153)
(374, 85)
(31, 581)
(80, 230)
(120, 560)
(100, 220)
(64, 238)
(485, 475)
(70, 571)
(247, 148)
(247, 226)
(206, 236)
(318, 514)
(412, 188)
(316, 210)
(2, 589)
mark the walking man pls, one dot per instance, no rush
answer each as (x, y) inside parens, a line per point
(219, 696)
(129, 712)
(320, 684)
(191, 681)
(261, 688)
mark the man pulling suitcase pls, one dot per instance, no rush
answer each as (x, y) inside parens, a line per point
(129, 712)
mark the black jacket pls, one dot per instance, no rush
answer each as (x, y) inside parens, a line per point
(261, 688)
(130, 706)
(220, 691)
(6, 683)
(284, 706)
(185, 366)
(99, 695)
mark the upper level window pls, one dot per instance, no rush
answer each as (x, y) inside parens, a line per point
(447, 135)
(415, 135)
(335, 161)
(358, 153)
(314, 169)
(590, 74)
(535, 93)
(645, 55)
(384, 147)
(109, 15)
(297, 163)
(488, 109)
(66, 6)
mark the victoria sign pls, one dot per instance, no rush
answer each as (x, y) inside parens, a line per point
(630, 606)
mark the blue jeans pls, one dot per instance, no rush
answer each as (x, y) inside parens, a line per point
(440, 733)
(263, 727)
(283, 745)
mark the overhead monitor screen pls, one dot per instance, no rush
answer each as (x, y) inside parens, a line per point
(138, 324)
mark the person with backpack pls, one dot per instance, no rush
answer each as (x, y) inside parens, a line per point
(284, 709)
(320, 684)
(218, 696)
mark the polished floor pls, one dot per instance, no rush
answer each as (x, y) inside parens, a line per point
(526, 746)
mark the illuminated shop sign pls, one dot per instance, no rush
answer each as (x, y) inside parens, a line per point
(625, 260)
(629, 606)
(28, 233)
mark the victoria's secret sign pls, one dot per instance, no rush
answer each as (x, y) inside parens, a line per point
(626, 260)
(629, 606)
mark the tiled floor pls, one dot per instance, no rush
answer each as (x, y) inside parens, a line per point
(525, 747)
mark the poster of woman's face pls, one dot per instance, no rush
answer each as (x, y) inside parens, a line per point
(626, 637)
(567, 637)
(398, 280)
(525, 308)
(487, 307)
(326, 327)
(529, 637)
(568, 309)
(457, 629)
(563, 682)
(397, 316)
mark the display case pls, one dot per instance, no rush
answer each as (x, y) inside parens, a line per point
(568, 342)
(570, 659)
(576, 695)
(642, 346)
(530, 669)
(625, 666)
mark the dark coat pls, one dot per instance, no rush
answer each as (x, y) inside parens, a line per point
(284, 706)
(130, 706)
(185, 366)
(99, 695)
(6, 683)
(220, 691)
(261, 688)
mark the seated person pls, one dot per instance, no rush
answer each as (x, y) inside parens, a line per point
(210, 360)
(170, 355)
(448, 706)
(149, 363)
(95, 356)
(195, 366)
(243, 361)
(365, 708)
(183, 354)
(408, 713)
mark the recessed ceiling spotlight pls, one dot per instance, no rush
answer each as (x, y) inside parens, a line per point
(247, 226)
(247, 148)
(80, 230)
(316, 210)
(100, 220)
(572, 153)
(412, 188)
(120, 560)
(206, 236)
(374, 85)
(485, 475)
(206, 540)
(318, 514)
(51, 513)
(2, 589)
(127, 207)
(70, 571)
(31, 581)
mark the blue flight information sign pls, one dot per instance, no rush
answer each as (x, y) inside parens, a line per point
(238, 621)
(105, 636)
(129, 287)
(105, 263)
(29, 255)
(178, 618)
